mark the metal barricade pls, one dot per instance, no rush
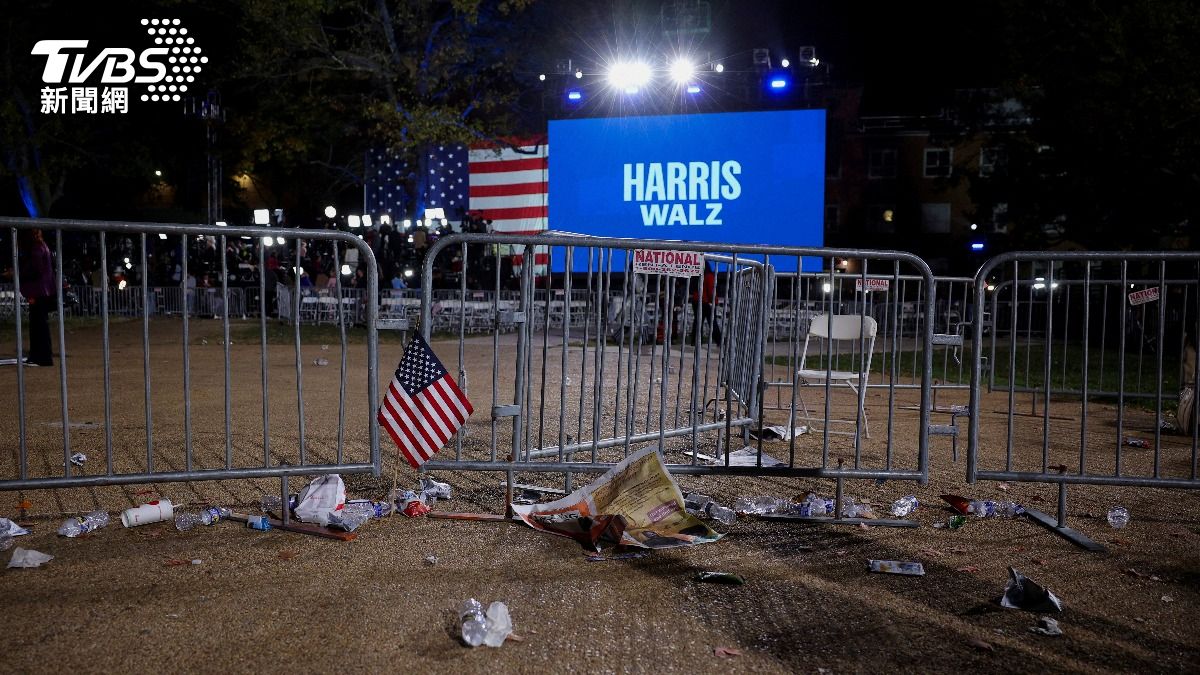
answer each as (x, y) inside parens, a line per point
(1100, 339)
(181, 431)
(605, 360)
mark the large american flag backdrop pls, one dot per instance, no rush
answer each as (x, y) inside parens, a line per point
(423, 407)
(508, 186)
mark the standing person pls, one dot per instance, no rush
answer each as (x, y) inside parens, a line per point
(704, 301)
(37, 285)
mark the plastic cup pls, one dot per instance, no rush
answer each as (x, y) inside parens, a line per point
(154, 512)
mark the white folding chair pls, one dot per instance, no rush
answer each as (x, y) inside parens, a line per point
(837, 339)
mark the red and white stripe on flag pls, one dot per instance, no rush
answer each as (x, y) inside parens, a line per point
(423, 407)
(509, 186)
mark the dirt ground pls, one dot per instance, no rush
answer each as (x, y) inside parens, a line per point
(282, 602)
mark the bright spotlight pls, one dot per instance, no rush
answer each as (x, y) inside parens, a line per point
(268, 240)
(158, 173)
(785, 63)
(977, 246)
(385, 219)
(162, 236)
(445, 222)
(826, 287)
(574, 95)
(579, 74)
(262, 217)
(330, 212)
(542, 77)
(128, 266)
(345, 270)
(693, 89)
(629, 76)
(408, 273)
(126, 261)
(720, 68)
(778, 83)
(366, 220)
(121, 285)
(353, 221)
(281, 241)
(974, 226)
(682, 71)
(406, 224)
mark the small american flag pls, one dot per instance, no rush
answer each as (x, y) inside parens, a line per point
(423, 407)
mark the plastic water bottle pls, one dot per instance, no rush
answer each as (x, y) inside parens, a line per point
(991, 509)
(695, 503)
(816, 506)
(273, 502)
(322, 361)
(369, 508)
(1118, 517)
(721, 514)
(499, 624)
(209, 516)
(760, 505)
(983, 509)
(474, 622)
(904, 506)
(73, 527)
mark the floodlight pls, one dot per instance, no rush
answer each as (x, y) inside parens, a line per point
(385, 219)
(366, 220)
(353, 221)
(262, 217)
(579, 74)
(346, 270)
(408, 273)
(574, 95)
(281, 241)
(629, 76)
(693, 89)
(406, 224)
(330, 212)
(785, 63)
(128, 266)
(158, 173)
(778, 83)
(720, 68)
(682, 71)
(542, 77)
(268, 240)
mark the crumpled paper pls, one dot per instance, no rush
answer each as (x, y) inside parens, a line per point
(1022, 592)
(23, 557)
(320, 499)
(11, 529)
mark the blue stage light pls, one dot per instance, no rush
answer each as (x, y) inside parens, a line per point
(977, 246)
(778, 83)
(574, 95)
(693, 89)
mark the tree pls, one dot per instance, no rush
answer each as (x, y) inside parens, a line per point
(1114, 97)
(318, 83)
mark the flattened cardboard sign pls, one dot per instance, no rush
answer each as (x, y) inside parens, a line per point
(1143, 296)
(670, 263)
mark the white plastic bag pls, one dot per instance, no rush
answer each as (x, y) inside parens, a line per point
(320, 499)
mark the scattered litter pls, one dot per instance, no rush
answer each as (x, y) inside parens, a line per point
(324, 348)
(431, 560)
(1118, 517)
(1046, 626)
(22, 557)
(991, 509)
(348, 519)
(196, 561)
(176, 562)
(204, 341)
(981, 645)
(258, 522)
(151, 512)
(527, 497)
(320, 499)
(952, 523)
(969, 569)
(433, 490)
(762, 504)
(479, 627)
(1022, 592)
(1003, 487)
(960, 504)
(596, 557)
(288, 554)
(781, 433)
(272, 503)
(1138, 575)
(904, 506)
(747, 456)
(78, 459)
(912, 569)
(210, 516)
(728, 578)
(372, 509)
(73, 527)
(726, 652)
(1167, 598)
(638, 497)
(411, 504)
(1134, 442)
(322, 361)
(703, 506)
(10, 529)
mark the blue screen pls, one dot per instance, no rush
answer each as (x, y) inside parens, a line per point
(741, 178)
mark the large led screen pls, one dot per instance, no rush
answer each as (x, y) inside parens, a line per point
(743, 178)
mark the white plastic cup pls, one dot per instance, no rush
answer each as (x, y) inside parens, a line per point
(154, 512)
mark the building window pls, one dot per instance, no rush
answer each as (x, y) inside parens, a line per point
(935, 218)
(991, 161)
(831, 217)
(881, 163)
(937, 162)
(881, 219)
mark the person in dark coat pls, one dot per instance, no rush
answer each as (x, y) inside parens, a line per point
(37, 285)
